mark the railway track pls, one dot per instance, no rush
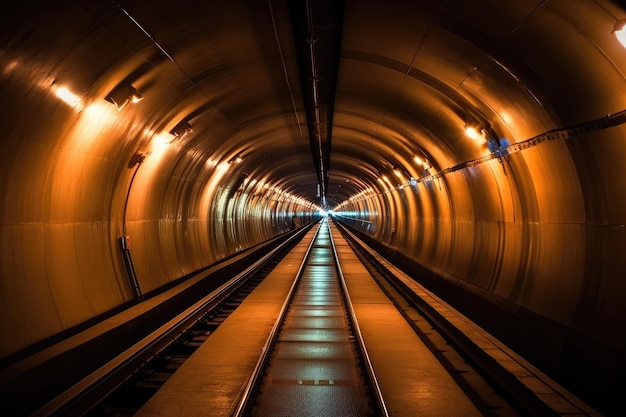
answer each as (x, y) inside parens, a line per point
(490, 398)
(316, 359)
(137, 388)
(277, 387)
(124, 383)
(497, 380)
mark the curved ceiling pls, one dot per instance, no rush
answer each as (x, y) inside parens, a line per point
(275, 81)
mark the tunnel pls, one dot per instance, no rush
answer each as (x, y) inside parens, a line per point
(475, 144)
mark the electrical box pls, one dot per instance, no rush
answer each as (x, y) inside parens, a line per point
(125, 242)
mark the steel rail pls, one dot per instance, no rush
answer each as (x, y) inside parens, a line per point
(257, 373)
(358, 336)
(101, 382)
(536, 394)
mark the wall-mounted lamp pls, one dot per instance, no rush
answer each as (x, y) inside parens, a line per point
(492, 138)
(235, 160)
(181, 129)
(122, 95)
(423, 162)
(69, 97)
(620, 31)
(472, 132)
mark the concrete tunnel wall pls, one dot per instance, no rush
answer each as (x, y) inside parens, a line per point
(77, 174)
(540, 232)
(542, 229)
(65, 189)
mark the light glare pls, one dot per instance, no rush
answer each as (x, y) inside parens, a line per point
(67, 96)
(471, 132)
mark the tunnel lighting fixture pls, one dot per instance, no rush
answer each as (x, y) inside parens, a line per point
(471, 132)
(423, 162)
(123, 94)
(181, 129)
(68, 96)
(235, 160)
(620, 31)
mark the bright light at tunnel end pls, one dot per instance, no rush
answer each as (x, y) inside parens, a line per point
(620, 31)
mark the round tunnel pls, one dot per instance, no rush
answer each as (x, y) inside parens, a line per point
(477, 144)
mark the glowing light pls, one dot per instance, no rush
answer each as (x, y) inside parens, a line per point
(10, 67)
(419, 160)
(221, 169)
(161, 141)
(471, 132)
(69, 97)
(93, 121)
